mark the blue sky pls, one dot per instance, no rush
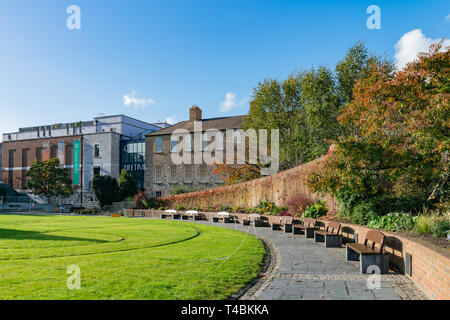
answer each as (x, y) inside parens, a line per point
(164, 56)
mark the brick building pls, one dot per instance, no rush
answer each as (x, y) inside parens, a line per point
(85, 149)
(162, 174)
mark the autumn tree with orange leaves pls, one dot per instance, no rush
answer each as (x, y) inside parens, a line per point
(399, 138)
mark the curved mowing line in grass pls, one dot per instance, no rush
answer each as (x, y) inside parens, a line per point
(110, 251)
(35, 244)
(214, 264)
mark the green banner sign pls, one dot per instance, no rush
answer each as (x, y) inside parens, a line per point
(76, 162)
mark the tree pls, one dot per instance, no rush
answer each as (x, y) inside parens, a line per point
(305, 106)
(48, 179)
(402, 137)
(127, 185)
(106, 189)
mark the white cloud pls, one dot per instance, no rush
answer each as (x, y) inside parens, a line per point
(231, 102)
(131, 100)
(412, 43)
(447, 18)
(171, 120)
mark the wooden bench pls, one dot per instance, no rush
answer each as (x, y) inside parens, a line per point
(170, 213)
(283, 223)
(370, 252)
(331, 235)
(252, 219)
(308, 227)
(194, 214)
(223, 216)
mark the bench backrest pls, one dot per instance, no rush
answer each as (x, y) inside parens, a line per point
(309, 222)
(333, 227)
(374, 237)
(280, 219)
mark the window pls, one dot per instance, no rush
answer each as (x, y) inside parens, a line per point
(158, 194)
(188, 143)
(96, 171)
(203, 172)
(173, 173)
(158, 144)
(39, 153)
(173, 145)
(187, 173)
(97, 150)
(157, 174)
(53, 152)
(205, 141)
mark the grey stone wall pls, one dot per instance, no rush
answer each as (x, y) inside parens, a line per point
(108, 160)
(163, 160)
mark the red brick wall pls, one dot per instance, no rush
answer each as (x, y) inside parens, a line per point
(277, 188)
(430, 264)
(19, 146)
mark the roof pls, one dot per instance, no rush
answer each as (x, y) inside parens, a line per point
(236, 122)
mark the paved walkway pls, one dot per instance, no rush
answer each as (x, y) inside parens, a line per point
(305, 270)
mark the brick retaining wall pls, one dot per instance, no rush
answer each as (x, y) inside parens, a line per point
(430, 265)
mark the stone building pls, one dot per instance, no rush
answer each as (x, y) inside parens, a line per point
(162, 174)
(85, 149)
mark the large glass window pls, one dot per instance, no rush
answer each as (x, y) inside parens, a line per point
(132, 159)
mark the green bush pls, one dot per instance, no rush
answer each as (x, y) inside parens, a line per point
(225, 207)
(395, 221)
(423, 224)
(366, 210)
(315, 211)
(440, 228)
(180, 208)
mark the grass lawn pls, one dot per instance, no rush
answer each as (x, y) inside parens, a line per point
(122, 258)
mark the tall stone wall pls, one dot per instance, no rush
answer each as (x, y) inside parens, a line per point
(277, 188)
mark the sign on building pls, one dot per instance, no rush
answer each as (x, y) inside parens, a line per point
(76, 162)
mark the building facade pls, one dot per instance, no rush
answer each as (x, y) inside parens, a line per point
(85, 149)
(162, 174)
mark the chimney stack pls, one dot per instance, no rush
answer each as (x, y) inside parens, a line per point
(195, 114)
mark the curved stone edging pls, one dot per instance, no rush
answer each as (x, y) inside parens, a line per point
(268, 272)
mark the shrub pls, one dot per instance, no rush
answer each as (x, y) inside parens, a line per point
(225, 207)
(180, 208)
(423, 224)
(440, 228)
(266, 207)
(142, 202)
(315, 211)
(395, 221)
(106, 189)
(127, 185)
(366, 210)
(298, 203)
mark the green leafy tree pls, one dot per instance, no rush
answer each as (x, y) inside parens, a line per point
(305, 106)
(127, 185)
(401, 142)
(106, 189)
(48, 179)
